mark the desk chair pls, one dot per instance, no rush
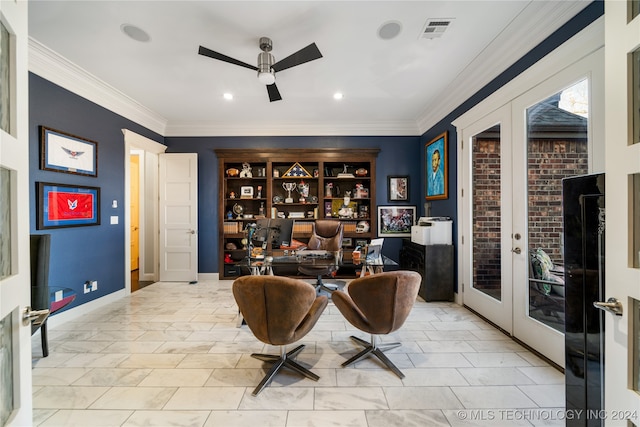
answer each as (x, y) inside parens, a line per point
(279, 311)
(378, 304)
(326, 234)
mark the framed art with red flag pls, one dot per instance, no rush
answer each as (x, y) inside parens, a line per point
(63, 205)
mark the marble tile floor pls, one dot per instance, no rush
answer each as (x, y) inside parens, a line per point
(171, 355)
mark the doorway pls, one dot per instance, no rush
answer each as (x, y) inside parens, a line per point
(145, 183)
(513, 162)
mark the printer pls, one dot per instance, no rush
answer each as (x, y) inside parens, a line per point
(432, 230)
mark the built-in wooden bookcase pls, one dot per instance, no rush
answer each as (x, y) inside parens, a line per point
(332, 172)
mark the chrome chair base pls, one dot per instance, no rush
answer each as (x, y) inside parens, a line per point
(372, 348)
(284, 359)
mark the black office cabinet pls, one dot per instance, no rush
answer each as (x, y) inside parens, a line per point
(583, 215)
(435, 265)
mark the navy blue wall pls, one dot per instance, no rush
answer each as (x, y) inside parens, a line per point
(96, 252)
(396, 157)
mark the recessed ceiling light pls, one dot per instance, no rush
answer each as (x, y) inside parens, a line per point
(338, 95)
(389, 30)
(136, 33)
(228, 96)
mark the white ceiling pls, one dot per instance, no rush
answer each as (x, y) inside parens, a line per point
(391, 87)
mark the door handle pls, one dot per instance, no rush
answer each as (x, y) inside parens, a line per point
(36, 317)
(516, 250)
(612, 306)
(192, 231)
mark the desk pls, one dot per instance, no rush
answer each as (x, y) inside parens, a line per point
(259, 266)
(267, 264)
(60, 297)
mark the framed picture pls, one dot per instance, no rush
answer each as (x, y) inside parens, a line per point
(397, 188)
(63, 152)
(246, 192)
(437, 168)
(396, 221)
(62, 205)
(347, 242)
(361, 242)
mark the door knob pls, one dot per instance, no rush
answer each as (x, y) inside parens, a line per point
(36, 317)
(516, 250)
(612, 306)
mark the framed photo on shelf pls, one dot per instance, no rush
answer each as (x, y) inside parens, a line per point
(62, 205)
(397, 188)
(396, 221)
(63, 152)
(246, 192)
(361, 242)
(437, 168)
(347, 242)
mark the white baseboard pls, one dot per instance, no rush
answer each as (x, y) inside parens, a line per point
(76, 312)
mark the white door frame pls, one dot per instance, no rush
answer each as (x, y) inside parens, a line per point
(14, 155)
(622, 281)
(149, 151)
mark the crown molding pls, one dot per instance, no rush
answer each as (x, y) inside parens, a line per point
(377, 128)
(51, 66)
(523, 34)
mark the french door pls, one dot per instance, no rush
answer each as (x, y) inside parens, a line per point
(513, 162)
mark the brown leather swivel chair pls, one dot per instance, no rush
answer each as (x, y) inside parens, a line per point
(326, 235)
(279, 311)
(378, 304)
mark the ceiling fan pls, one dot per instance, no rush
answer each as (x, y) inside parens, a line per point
(267, 67)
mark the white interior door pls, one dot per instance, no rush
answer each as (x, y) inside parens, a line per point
(178, 180)
(486, 217)
(622, 198)
(15, 336)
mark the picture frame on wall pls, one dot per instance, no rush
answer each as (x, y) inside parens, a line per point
(62, 205)
(437, 168)
(397, 188)
(396, 221)
(63, 152)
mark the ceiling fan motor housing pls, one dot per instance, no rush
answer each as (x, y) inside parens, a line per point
(265, 73)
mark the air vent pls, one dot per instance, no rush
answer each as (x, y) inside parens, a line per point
(434, 28)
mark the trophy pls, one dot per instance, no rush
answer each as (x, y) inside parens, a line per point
(303, 189)
(289, 187)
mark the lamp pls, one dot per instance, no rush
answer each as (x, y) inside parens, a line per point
(266, 75)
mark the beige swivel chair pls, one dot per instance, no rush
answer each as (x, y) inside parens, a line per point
(279, 311)
(326, 235)
(378, 304)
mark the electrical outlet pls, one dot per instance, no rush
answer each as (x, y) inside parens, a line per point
(87, 287)
(94, 285)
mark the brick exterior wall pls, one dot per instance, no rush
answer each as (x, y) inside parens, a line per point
(550, 160)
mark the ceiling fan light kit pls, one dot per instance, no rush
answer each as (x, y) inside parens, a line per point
(267, 67)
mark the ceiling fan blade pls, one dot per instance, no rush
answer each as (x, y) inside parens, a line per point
(215, 55)
(274, 93)
(305, 54)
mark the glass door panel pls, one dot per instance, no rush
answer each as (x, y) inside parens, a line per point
(557, 148)
(486, 187)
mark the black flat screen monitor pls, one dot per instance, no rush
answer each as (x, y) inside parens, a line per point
(277, 231)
